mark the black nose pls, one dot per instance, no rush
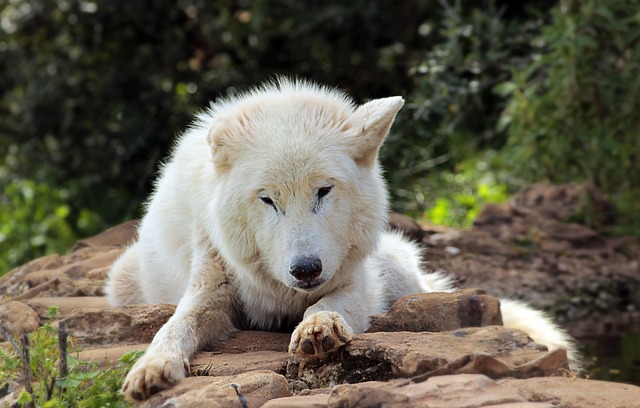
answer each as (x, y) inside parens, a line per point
(306, 268)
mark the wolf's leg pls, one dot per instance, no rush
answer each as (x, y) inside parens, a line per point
(123, 286)
(398, 262)
(539, 327)
(204, 314)
(332, 321)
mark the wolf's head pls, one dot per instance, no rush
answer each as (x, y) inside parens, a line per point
(299, 192)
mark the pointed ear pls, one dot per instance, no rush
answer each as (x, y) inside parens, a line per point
(372, 121)
(219, 139)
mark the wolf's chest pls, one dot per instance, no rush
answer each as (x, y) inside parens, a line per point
(271, 310)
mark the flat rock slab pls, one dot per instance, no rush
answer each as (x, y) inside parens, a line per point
(247, 390)
(107, 326)
(494, 351)
(464, 390)
(576, 392)
(117, 236)
(109, 356)
(249, 340)
(66, 305)
(220, 364)
(471, 391)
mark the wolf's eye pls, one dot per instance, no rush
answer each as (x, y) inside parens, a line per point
(323, 191)
(269, 201)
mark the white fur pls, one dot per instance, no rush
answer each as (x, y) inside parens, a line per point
(237, 204)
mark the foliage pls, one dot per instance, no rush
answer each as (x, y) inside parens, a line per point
(36, 218)
(452, 110)
(86, 385)
(572, 114)
(92, 94)
(464, 193)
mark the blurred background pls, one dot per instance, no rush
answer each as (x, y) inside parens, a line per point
(499, 94)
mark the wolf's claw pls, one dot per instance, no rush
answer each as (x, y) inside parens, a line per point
(153, 373)
(320, 334)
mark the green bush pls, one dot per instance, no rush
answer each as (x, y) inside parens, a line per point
(36, 219)
(84, 385)
(573, 113)
(452, 110)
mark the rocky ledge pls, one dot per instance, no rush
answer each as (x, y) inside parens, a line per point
(431, 350)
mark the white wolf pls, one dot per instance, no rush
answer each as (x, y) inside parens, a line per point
(272, 211)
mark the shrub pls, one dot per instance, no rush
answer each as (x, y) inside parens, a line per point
(84, 385)
(573, 113)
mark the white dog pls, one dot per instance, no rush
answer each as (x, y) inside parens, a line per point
(270, 212)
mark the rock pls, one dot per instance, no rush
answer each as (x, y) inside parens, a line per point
(220, 364)
(367, 394)
(14, 282)
(437, 312)
(75, 270)
(109, 356)
(118, 236)
(65, 305)
(246, 390)
(463, 390)
(407, 225)
(494, 351)
(566, 202)
(576, 392)
(522, 250)
(127, 324)
(307, 401)
(17, 318)
(244, 341)
(243, 351)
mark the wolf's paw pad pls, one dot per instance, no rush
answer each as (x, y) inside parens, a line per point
(153, 373)
(320, 334)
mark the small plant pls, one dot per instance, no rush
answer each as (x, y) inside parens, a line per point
(54, 378)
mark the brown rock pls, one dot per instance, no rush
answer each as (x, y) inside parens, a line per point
(13, 283)
(247, 390)
(109, 356)
(248, 340)
(306, 401)
(407, 225)
(576, 392)
(74, 270)
(463, 390)
(128, 324)
(369, 394)
(17, 318)
(436, 312)
(221, 364)
(118, 236)
(66, 305)
(566, 201)
(493, 350)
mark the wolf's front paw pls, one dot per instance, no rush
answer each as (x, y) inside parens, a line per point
(320, 334)
(153, 373)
